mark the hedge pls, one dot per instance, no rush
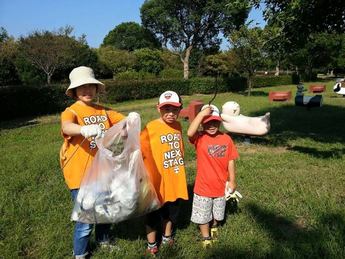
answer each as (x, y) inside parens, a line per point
(23, 101)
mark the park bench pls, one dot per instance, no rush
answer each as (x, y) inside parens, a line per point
(279, 95)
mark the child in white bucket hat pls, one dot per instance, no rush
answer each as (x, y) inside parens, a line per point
(81, 123)
(216, 154)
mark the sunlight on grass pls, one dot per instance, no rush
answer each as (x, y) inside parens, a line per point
(292, 181)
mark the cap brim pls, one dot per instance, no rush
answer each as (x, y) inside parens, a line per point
(169, 103)
(212, 118)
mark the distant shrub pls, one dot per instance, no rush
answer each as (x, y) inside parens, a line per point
(20, 101)
(264, 81)
(171, 73)
(295, 78)
(134, 75)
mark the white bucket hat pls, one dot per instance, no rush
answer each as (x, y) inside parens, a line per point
(81, 76)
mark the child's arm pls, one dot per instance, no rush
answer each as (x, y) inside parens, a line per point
(193, 127)
(73, 129)
(232, 175)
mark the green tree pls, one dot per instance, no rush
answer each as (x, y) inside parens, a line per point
(50, 51)
(248, 46)
(8, 53)
(3, 35)
(116, 60)
(323, 51)
(299, 18)
(220, 64)
(148, 60)
(275, 46)
(130, 36)
(187, 24)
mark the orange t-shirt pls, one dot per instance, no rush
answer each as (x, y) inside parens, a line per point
(213, 156)
(162, 149)
(76, 155)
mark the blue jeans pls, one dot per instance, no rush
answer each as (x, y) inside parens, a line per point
(82, 233)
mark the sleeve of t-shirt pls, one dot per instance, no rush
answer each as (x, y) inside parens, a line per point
(68, 116)
(144, 143)
(233, 153)
(114, 116)
(194, 140)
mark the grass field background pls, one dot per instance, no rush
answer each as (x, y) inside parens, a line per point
(292, 181)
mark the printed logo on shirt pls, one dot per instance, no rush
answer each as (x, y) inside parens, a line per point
(173, 157)
(216, 150)
(95, 119)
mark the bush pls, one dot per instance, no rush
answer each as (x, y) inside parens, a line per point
(134, 75)
(295, 78)
(171, 73)
(207, 85)
(121, 90)
(21, 101)
(236, 83)
(264, 81)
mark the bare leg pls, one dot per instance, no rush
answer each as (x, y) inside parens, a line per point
(167, 228)
(205, 230)
(150, 234)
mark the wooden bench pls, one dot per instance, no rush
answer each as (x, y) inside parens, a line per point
(192, 110)
(279, 95)
(317, 88)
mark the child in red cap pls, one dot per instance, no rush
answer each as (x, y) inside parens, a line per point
(216, 154)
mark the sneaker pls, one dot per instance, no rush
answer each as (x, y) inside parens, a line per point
(151, 250)
(84, 256)
(111, 246)
(214, 233)
(206, 242)
(168, 241)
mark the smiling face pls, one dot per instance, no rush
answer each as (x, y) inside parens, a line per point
(86, 93)
(211, 127)
(169, 113)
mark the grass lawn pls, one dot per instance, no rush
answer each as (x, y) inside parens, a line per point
(292, 181)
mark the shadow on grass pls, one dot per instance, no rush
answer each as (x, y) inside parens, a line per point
(17, 123)
(294, 239)
(137, 225)
(332, 153)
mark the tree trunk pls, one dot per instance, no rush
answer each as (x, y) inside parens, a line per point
(186, 63)
(49, 77)
(277, 69)
(249, 84)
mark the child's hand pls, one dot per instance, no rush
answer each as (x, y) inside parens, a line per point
(206, 111)
(93, 130)
(232, 186)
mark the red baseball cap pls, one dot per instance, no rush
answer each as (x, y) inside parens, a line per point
(213, 116)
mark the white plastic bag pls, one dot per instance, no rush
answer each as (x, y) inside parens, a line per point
(116, 187)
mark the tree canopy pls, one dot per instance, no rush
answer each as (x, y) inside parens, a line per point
(130, 36)
(186, 24)
(299, 18)
(52, 51)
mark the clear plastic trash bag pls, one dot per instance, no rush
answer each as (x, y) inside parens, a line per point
(116, 187)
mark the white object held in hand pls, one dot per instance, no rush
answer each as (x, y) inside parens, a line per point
(230, 194)
(93, 130)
